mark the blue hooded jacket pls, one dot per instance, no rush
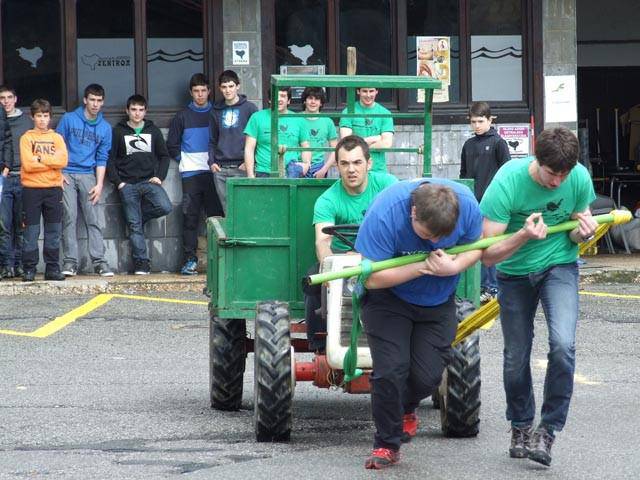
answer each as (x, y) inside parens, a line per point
(88, 143)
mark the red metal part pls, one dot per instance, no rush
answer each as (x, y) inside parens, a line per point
(359, 385)
(298, 327)
(316, 371)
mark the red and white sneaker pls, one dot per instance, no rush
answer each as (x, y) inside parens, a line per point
(409, 427)
(381, 458)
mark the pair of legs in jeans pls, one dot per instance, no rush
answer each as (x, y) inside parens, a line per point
(410, 347)
(11, 219)
(142, 202)
(556, 289)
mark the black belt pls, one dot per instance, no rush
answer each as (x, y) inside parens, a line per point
(231, 165)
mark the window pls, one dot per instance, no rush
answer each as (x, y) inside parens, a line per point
(174, 49)
(105, 48)
(150, 47)
(496, 50)
(487, 42)
(32, 49)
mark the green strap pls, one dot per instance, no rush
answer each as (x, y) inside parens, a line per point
(350, 361)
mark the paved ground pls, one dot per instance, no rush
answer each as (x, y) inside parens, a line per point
(121, 392)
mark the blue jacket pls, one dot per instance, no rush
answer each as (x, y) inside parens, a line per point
(188, 140)
(88, 143)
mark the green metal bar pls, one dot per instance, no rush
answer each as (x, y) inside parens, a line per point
(356, 81)
(274, 130)
(331, 149)
(426, 159)
(353, 115)
(477, 245)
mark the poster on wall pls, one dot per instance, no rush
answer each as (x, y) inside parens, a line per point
(434, 60)
(240, 52)
(517, 138)
(560, 104)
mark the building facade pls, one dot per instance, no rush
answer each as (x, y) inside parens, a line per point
(500, 51)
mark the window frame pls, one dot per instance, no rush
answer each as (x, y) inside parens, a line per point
(506, 111)
(212, 39)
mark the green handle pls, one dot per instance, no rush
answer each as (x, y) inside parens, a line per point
(617, 216)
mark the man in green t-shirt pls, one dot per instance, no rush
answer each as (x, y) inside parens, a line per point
(322, 131)
(376, 131)
(345, 202)
(292, 132)
(525, 196)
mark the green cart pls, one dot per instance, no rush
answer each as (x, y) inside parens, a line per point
(257, 257)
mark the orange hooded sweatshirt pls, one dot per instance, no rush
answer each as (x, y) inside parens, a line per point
(43, 155)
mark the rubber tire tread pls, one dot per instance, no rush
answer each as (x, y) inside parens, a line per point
(227, 358)
(460, 410)
(273, 389)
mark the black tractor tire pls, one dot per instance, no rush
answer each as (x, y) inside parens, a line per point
(459, 392)
(273, 383)
(227, 358)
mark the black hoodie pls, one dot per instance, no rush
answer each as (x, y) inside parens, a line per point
(136, 158)
(226, 139)
(482, 156)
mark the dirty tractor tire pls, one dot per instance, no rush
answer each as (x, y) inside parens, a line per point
(459, 392)
(227, 357)
(273, 384)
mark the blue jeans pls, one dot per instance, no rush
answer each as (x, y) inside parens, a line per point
(11, 233)
(142, 202)
(488, 277)
(557, 290)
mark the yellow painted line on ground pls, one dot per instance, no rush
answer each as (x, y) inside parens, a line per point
(160, 299)
(610, 295)
(581, 379)
(59, 323)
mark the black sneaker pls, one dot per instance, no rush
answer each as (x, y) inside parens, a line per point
(141, 267)
(29, 275)
(54, 274)
(540, 446)
(6, 272)
(103, 270)
(69, 270)
(520, 438)
(18, 271)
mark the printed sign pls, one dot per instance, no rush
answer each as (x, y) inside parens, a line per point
(433, 59)
(560, 102)
(240, 52)
(517, 137)
(296, 92)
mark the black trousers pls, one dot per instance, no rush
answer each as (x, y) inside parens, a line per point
(410, 347)
(45, 203)
(198, 192)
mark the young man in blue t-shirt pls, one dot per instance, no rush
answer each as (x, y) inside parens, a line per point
(409, 312)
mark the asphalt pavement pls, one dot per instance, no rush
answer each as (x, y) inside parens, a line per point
(119, 390)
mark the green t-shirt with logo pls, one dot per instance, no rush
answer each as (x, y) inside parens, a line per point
(513, 195)
(291, 132)
(366, 127)
(337, 207)
(321, 131)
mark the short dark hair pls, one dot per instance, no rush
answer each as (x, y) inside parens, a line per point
(136, 99)
(558, 149)
(40, 105)
(316, 92)
(94, 89)
(350, 142)
(437, 208)
(198, 80)
(282, 89)
(228, 76)
(8, 88)
(480, 109)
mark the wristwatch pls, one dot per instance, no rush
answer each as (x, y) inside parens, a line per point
(589, 238)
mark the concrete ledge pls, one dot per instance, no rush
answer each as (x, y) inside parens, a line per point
(117, 284)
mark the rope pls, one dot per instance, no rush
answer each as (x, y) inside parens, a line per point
(350, 361)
